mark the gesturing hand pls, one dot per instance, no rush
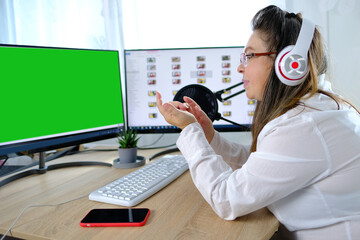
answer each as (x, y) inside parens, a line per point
(182, 114)
(175, 113)
(201, 117)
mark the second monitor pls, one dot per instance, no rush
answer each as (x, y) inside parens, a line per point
(168, 70)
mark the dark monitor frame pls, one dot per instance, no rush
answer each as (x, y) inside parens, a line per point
(66, 139)
(51, 143)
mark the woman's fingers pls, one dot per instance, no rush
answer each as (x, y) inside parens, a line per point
(175, 112)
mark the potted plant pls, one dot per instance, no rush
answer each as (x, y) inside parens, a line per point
(128, 140)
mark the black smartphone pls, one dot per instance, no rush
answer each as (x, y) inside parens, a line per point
(116, 217)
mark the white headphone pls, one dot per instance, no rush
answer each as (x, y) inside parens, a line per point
(291, 64)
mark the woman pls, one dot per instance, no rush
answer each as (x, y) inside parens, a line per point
(302, 163)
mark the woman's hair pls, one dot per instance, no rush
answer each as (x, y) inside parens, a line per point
(279, 29)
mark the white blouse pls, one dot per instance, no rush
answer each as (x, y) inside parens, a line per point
(306, 170)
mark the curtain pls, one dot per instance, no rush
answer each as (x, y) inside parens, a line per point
(7, 22)
(62, 23)
(115, 24)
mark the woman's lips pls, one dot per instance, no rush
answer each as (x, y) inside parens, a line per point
(246, 82)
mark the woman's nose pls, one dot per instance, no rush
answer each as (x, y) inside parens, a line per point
(241, 68)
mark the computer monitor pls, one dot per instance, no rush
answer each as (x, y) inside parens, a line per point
(168, 70)
(58, 97)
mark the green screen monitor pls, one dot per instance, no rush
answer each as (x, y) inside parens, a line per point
(57, 97)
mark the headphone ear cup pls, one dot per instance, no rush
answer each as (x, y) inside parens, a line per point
(291, 68)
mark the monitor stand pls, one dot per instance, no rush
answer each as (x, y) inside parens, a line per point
(43, 169)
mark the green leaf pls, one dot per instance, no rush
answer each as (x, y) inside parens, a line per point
(128, 139)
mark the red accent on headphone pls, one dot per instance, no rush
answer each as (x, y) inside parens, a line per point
(295, 65)
(282, 74)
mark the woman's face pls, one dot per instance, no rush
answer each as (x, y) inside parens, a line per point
(256, 73)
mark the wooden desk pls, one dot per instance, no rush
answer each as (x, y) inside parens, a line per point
(177, 212)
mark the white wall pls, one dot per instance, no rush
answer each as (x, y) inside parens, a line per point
(344, 44)
(339, 23)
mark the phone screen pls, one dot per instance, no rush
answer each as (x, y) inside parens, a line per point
(116, 217)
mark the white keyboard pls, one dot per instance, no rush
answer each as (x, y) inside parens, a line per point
(139, 185)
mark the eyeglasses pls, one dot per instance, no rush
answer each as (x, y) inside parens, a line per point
(244, 58)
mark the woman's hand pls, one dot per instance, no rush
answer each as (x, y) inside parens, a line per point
(201, 117)
(182, 114)
(175, 113)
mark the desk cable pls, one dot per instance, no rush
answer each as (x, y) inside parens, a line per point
(32, 206)
(3, 160)
(156, 141)
(149, 146)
